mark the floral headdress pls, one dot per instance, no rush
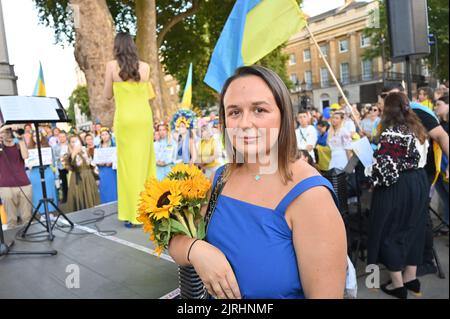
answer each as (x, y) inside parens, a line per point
(187, 117)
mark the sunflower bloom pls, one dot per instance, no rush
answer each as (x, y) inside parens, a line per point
(158, 250)
(159, 198)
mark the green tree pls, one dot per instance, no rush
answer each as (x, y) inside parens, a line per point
(80, 98)
(187, 31)
(194, 40)
(438, 25)
(438, 21)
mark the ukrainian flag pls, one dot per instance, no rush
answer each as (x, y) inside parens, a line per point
(186, 102)
(253, 29)
(39, 88)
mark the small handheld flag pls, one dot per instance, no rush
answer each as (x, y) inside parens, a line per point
(186, 102)
(39, 88)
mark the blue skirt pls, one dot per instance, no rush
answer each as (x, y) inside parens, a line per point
(108, 184)
(52, 192)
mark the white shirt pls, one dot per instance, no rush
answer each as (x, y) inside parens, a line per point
(349, 125)
(306, 136)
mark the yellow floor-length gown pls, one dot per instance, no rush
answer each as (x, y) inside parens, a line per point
(133, 129)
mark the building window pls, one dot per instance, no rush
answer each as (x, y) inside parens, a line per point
(306, 55)
(343, 46)
(365, 41)
(294, 79)
(345, 73)
(308, 80)
(324, 50)
(325, 100)
(178, 88)
(367, 70)
(172, 90)
(324, 82)
(292, 59)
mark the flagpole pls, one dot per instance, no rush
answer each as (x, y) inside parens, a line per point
(333, 76)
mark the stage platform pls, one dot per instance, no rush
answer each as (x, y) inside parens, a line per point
(122, 265)
(118, 266)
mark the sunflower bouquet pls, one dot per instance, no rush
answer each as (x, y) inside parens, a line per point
(172, 206)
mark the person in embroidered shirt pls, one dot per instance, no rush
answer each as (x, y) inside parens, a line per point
(400, 196)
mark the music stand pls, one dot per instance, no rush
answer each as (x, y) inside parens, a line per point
(5, 249)
(36, 110)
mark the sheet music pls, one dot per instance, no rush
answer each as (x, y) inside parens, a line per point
(364, 151)
(28, 108)
(105, 155)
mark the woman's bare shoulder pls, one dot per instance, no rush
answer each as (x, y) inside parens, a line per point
(302, 170)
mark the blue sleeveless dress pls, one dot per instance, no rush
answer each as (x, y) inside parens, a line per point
(257, 242)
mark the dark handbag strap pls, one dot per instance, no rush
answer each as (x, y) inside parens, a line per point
(217, 189)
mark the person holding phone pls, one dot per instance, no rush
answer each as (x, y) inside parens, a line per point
(15, 187)
(83, 192)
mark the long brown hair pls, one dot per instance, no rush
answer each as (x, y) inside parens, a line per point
(332, 130)
(398, 112)
(126, 54)
(286, 138)
(42, 139)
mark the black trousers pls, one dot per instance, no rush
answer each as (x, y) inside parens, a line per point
(428, 250)
(63, 178)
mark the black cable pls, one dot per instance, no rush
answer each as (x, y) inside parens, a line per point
(90, 221)
(61, 228)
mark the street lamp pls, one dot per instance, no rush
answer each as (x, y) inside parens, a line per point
(383, 55)
(304, 102)
(298, 91)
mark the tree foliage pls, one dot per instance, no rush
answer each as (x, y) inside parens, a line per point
(438, 25)
(80, 98)
(191, 40)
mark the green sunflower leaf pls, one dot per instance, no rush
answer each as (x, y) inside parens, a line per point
(177, 227)
(201, 228)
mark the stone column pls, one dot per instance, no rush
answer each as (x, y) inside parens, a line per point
(8, 80)
(355, 61)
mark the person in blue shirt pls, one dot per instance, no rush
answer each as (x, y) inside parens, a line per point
(107, 173)
(322, 128)
(165, 152)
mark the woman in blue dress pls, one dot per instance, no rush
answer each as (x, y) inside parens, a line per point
(107, 174)
(35, 179)
(183, 124)
(276, 231)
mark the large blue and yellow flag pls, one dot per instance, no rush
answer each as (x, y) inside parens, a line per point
(186, 102)
(39, 88)
(253, 29)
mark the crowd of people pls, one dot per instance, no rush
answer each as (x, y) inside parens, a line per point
(410, 147)
(409, 140)
(201, 145)
(410, 143)
(75, 181)
(72, 180)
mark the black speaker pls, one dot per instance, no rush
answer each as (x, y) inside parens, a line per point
(408, 28)
(368, 93)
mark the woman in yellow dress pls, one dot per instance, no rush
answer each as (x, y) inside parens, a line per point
(127, 80)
